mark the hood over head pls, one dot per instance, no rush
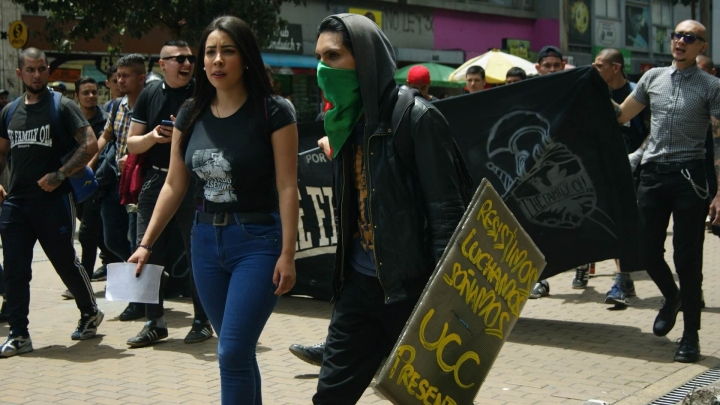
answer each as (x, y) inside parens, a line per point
(374, 61)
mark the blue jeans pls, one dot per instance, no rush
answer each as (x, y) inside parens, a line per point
(233, 267)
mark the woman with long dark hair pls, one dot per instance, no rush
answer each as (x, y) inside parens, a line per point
(240, 143)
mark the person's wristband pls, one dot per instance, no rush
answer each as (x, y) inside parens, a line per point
(149, 249)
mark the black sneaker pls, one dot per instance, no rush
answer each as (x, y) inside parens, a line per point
(100, 274)
(149, 334)
(541, 289)
(200, 332)
(87, 326)
(15, 345)
(132, 311)
(665, 320)
(309, 354)
(688, 350)
(582, 276)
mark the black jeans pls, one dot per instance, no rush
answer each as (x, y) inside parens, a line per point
(659, 196)
(91, 235)
(51, 221)
(362, 332)
(182, 221)
(115, 222)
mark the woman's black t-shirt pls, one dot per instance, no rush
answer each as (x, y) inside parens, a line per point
(232, 158)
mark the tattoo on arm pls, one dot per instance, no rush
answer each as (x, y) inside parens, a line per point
(87, 147)
(715, 123)
(53, 180)
(618, 110)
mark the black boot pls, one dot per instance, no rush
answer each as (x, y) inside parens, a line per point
(689, 348)
(665, 320)
(309, 354)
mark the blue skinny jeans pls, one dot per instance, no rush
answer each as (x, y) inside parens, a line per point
(233, 267)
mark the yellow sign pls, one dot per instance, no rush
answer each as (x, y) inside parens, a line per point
(18, 34)
(374, 15)
(467, 310)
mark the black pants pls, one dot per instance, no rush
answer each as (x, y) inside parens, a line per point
(91, 235)
(51, 221)
(115, 222)
(182, 221)
(362, 332)
(659, 196)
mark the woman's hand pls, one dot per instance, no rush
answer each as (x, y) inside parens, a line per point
(141, 257)
(284, 275)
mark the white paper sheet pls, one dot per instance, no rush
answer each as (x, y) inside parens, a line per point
(123, 286)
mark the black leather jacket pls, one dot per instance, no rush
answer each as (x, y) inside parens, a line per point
(413, 210)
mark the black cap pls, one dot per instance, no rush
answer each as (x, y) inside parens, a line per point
(3, 91)
(549, 50)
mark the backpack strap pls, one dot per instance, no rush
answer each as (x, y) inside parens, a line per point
(56, 124)
(400, 122)
(11, 111)
(113, 113)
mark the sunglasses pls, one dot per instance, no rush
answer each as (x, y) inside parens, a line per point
(688, 38)
(181, 58)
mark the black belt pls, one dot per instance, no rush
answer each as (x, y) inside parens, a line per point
(673, 167)
(234, 218)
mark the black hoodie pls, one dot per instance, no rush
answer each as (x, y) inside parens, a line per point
(413, 210)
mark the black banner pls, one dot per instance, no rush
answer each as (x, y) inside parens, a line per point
(551, 147)
(317, 238)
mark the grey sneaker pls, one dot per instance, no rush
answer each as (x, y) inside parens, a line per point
(541, 289)
(67, 295)
(582, 276)
(87, 326)
(15, 345)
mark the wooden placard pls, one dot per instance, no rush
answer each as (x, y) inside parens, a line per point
(467, 310)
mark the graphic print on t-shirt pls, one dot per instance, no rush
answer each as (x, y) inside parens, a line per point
(211, 166)
(36, 136)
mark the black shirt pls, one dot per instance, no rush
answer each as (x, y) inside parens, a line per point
(232, 158)
(35, 148)
(157, 102)
(631, 133)
(98, 122)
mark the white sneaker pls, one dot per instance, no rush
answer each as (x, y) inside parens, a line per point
(16, 345)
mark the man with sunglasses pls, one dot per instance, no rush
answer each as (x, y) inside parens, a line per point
(683, 100)
(159, 102)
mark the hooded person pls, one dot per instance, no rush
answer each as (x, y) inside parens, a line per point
(393, 220)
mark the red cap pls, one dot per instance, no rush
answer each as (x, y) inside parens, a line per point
(418, 75)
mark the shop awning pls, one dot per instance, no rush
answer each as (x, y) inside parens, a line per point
(296, 61)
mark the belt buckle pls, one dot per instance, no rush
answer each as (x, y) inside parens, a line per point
(220, 222)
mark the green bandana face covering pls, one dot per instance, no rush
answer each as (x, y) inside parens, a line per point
(340, 88)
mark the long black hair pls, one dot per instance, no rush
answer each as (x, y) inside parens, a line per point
(256, 81)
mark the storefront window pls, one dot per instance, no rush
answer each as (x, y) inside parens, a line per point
(662, 25)
(607, 8)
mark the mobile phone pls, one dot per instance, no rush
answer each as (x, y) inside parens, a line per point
(166, 123)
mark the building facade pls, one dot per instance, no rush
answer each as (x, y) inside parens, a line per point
(441, 31)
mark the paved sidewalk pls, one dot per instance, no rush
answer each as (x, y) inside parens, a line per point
(566, 348)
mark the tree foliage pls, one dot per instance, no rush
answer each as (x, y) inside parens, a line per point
(72, 20)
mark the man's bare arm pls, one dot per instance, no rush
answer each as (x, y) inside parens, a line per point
(715, 128)
(87, 148)
(104, 139)
(628, 109)
(715, 203)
